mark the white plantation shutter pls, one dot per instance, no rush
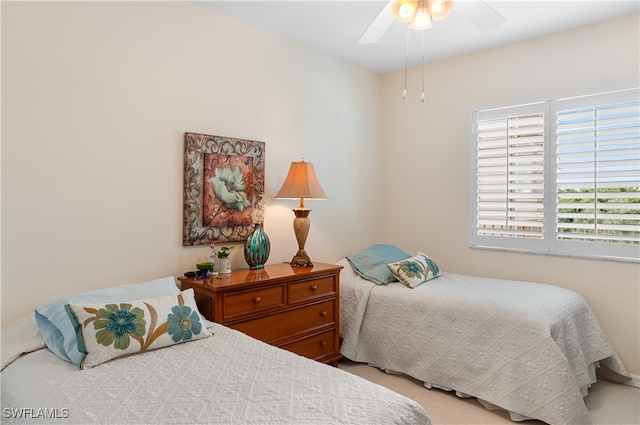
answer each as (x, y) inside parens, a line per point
(511, 176)
(509, 173)
(598, 168)
(559, 177)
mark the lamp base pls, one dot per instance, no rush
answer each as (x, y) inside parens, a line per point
(301, 259)
(301, 226)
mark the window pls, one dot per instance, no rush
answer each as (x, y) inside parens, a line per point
(559, 177)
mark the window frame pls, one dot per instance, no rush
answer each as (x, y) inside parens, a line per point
(549, 244)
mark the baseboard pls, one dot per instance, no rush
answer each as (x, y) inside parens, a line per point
(635, 381)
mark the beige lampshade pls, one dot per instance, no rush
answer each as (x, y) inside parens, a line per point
(301, 182)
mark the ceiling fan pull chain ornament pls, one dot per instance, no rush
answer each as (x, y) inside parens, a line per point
(406, 66)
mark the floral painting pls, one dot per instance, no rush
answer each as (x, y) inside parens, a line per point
(222, 183)
(225, 194)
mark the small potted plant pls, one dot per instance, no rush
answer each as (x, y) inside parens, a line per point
(224, 260)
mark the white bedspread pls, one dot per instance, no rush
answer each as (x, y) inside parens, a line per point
(228, 378)
(525, 347)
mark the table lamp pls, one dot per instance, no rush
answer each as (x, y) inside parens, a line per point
(301, 183)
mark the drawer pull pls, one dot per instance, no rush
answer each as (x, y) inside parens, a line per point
(323, 313)
(257, 300)
(323, 344)
(314, 288)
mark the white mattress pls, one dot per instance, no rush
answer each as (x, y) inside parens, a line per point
(528, 348)
(228, 378)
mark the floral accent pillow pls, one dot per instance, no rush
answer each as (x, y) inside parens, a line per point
(415, 270)
(58, 332)
(109, 330)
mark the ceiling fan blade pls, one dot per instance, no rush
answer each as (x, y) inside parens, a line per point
(379, 25)
(480, 14)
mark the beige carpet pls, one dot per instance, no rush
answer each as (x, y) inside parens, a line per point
(608, 403)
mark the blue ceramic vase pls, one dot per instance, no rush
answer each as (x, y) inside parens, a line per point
(256, 248)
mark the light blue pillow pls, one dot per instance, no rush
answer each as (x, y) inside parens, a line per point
(59, 333)
(371, 263)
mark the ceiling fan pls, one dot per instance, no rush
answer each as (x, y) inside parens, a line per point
(419, 14)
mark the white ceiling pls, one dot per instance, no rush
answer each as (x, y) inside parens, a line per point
(334, 27)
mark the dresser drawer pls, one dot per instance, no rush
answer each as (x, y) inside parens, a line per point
(247, 302)
(309, 289)
(314, 347)
(289, 323)
(296, 308)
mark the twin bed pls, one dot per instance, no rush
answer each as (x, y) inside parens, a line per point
(223, 377)
(529, 348)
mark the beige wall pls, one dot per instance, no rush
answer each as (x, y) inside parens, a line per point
(96, 98)
(426, 147)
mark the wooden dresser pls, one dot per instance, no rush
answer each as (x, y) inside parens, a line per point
(295, 308)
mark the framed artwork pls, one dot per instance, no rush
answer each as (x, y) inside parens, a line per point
(223, 178)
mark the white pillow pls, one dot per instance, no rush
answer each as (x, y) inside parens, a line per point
(18, 338)
(109, 330)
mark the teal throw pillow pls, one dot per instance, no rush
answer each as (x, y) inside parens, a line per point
(371, 263)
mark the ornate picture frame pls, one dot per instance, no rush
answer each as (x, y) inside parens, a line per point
(223, 178)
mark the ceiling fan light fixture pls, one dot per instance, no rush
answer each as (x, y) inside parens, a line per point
(440, 9)
(403, 10)
(422, 18)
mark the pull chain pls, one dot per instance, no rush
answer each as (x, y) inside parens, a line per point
(422, 97)
(406, 64)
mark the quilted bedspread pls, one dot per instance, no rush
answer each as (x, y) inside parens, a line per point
(228, 378)
(525, 347)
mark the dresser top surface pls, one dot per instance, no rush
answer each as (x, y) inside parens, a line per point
(270, 273)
